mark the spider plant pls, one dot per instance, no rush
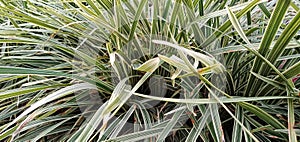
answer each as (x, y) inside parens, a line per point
(149, 70)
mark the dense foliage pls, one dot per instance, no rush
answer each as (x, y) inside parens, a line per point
(151, 70)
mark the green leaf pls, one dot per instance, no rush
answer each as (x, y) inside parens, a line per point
(262, 115)
(175, 61)
(237, 129)
(93, 123)
(51, 97)
(168, 128)
(122, 122)
(137, 18)
(286, 36)
(206, 60)
(269, 35)
(142, 135)
(237, 26)
(222, 29)
(212, 101)
(7, 70)
(18, 92)
(270, 81)
(150, 65)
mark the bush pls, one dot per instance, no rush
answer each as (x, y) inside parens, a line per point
(184, 70)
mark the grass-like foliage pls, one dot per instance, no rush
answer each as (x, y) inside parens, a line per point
(149, 70)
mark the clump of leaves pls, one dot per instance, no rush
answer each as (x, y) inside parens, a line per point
(184, 70)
